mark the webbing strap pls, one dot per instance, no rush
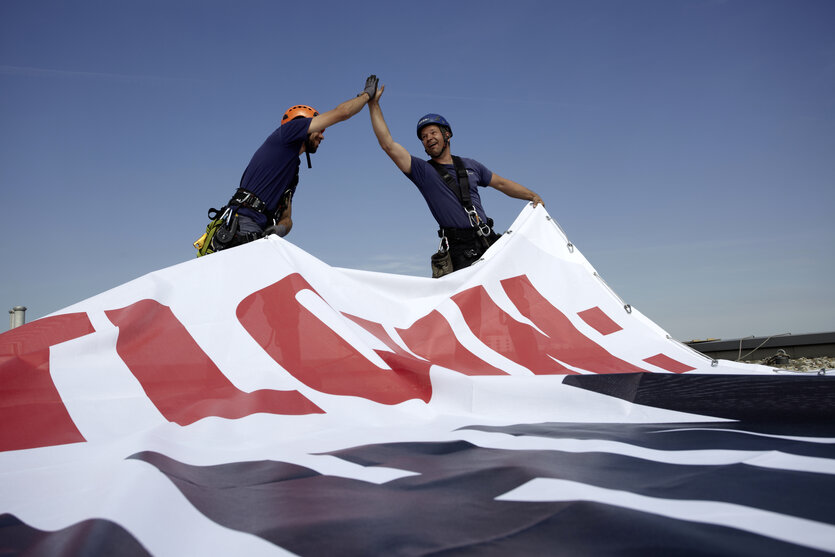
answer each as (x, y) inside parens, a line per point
(461, 187)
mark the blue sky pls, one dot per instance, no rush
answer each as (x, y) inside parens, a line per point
(686, 147)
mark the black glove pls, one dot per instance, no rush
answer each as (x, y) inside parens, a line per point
(371, 87)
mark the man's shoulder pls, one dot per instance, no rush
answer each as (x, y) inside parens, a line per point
(292, 130)
(468, 161)
(478, 169)
(418, 166)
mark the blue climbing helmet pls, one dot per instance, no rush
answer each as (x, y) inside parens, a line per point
(436, 119)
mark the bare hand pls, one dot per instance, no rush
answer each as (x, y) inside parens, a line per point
(379, 94)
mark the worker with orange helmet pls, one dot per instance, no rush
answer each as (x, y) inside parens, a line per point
(449, 185)
(262, 204)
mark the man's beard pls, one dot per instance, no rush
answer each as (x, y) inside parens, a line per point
(309, 145)
(438, 146)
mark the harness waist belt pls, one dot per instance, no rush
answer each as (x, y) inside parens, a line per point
(458, 233)
(462, 233)
(244, 198)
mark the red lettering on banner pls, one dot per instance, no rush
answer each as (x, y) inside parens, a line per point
(432, 338)
(317, 356)
(32, 413)
(602, 323)
(180, 379)
(665, 362)
(380, 332)
(566, 343)
(512, 339)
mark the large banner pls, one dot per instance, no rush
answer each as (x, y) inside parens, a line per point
(260, 402)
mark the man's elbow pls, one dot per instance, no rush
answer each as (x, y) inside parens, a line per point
(387, 146)
(281, 228)
(284, 226)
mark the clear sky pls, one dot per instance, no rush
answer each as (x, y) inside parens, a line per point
(686, 147)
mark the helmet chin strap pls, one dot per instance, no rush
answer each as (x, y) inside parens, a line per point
(446, 145)
(307, 144)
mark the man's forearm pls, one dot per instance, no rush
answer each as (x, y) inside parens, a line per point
(378, 123)
(394, 150)
(351, 106)
(515, 190)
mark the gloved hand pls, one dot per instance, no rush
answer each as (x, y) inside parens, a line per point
(279, 229)
(370, 86)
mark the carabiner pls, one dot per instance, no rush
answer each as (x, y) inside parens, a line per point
(473, 216)
(227, 215)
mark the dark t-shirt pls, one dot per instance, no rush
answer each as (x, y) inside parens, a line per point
(443, 203)
(274, 166)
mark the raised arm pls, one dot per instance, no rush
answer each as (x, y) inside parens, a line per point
(346, 109)
(513, 189)
(394, 150)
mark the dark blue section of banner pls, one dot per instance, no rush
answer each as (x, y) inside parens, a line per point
(749, 398)
(450, 507)
(90, 538)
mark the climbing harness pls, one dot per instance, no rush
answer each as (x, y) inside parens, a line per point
(461, 189)
(223, 230)
(480, 234)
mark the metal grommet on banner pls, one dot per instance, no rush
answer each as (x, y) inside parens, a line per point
(713, 362)
(626, 306)
(568, 244)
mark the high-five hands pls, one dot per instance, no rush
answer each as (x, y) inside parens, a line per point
(371, 86)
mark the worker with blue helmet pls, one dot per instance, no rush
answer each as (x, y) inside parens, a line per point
(450, 187)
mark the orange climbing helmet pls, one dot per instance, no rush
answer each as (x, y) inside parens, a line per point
(299, 111)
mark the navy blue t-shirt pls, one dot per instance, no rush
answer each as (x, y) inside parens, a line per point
(443, 203)
(274, 166)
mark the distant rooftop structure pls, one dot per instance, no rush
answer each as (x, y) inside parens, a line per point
(810, 345)
(17, 316)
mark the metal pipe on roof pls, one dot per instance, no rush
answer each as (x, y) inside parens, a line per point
(17, 316)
